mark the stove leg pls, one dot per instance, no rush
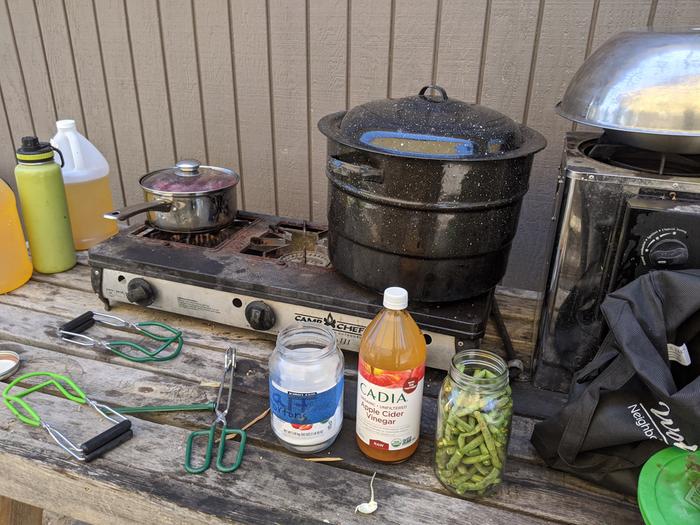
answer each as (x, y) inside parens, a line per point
(96, 281)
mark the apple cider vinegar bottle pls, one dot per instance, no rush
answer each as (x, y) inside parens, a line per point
(390, 380)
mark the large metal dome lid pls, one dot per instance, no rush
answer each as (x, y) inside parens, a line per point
(433, 126)
(640, 82)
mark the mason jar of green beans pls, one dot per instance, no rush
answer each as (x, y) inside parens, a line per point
(473, 424)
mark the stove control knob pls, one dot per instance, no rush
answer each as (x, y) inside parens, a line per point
(260, 315)
(141, 292)
(668, 252)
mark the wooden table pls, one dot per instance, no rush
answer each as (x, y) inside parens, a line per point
(143, 481)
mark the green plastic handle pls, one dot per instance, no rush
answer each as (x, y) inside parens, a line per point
(210, 432)
(30, 417)
(165, 408)
(222, 450)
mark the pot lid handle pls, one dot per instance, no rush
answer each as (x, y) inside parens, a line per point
(188, 167)
(441, 91)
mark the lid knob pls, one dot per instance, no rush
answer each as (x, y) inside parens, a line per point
(440, 90)
(188, 167)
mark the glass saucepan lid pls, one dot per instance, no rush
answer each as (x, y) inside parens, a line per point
(188, 177)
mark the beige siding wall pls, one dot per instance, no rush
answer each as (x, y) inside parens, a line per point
(242, 83)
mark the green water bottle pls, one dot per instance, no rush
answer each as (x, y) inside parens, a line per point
(44, 209)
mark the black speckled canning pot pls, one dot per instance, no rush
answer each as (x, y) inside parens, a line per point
(440, 227)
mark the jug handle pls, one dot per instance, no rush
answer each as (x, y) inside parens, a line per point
(78, 160)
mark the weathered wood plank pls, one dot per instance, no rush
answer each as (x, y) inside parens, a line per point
(459, 52)
(30, 48)
(119, 386)
(561, 50)
(216, 75)
(97, 109)
(511, 37)
(55, 35)
(262, 486)
(252, 85)
(413, 46)
(113, 34)
(179, 47)
(327, 89)
(150, 77)
(288, 64)
(13, 512)
(614, 17)
(370, 31)
(12, 82)
(65, 301)
(674, 14)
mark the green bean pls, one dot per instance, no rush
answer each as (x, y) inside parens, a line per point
(474, 443)
(454, 460)
(488, 439)
(471, 460)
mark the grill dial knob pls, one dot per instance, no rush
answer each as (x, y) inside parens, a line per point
(260, 315)
(668, 252)
(141, 292)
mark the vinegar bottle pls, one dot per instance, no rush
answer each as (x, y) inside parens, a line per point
(44, 208)
(85, 174)
(390, 380)
(15, 266)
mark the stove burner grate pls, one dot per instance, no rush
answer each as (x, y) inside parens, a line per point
(642, 160)
(203, 239)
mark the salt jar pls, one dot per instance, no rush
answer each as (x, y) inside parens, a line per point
(306, 388)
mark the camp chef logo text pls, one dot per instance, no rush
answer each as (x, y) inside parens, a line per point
(656, 423)
(331, 322)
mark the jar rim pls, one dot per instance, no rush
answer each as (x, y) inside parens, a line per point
(287, 345)
(476, 357)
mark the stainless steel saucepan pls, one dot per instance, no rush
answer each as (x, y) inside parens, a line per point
(187, 198)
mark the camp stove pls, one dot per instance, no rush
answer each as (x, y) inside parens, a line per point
(264, 273)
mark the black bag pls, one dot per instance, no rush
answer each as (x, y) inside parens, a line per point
(631, 400)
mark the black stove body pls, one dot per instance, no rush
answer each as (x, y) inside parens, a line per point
(264, 273)
(622, 212)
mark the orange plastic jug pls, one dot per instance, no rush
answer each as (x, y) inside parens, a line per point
(15, 266)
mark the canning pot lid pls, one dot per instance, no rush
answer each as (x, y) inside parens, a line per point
(188, 176)
(429, 125)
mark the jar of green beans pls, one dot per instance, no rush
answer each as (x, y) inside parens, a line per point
(473, 424)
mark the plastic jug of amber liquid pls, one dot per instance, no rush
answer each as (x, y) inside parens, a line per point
(390, 379)
(15, 266)
(85, 175)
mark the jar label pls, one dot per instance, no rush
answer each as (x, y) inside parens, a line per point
(306, 418)
(389, 406)
(304, 408)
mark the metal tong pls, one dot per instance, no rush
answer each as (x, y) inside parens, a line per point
(90, 449)
(229, 368)
(72, 331)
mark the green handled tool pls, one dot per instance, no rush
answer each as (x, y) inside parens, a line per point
(90, 449)
(220, 420)
(72, 331)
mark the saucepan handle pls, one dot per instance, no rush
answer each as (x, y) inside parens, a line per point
(135, 209)
(349, 169)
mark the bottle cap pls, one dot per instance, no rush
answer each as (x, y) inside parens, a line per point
(65, 124)
(34, 151)
(395, 298)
